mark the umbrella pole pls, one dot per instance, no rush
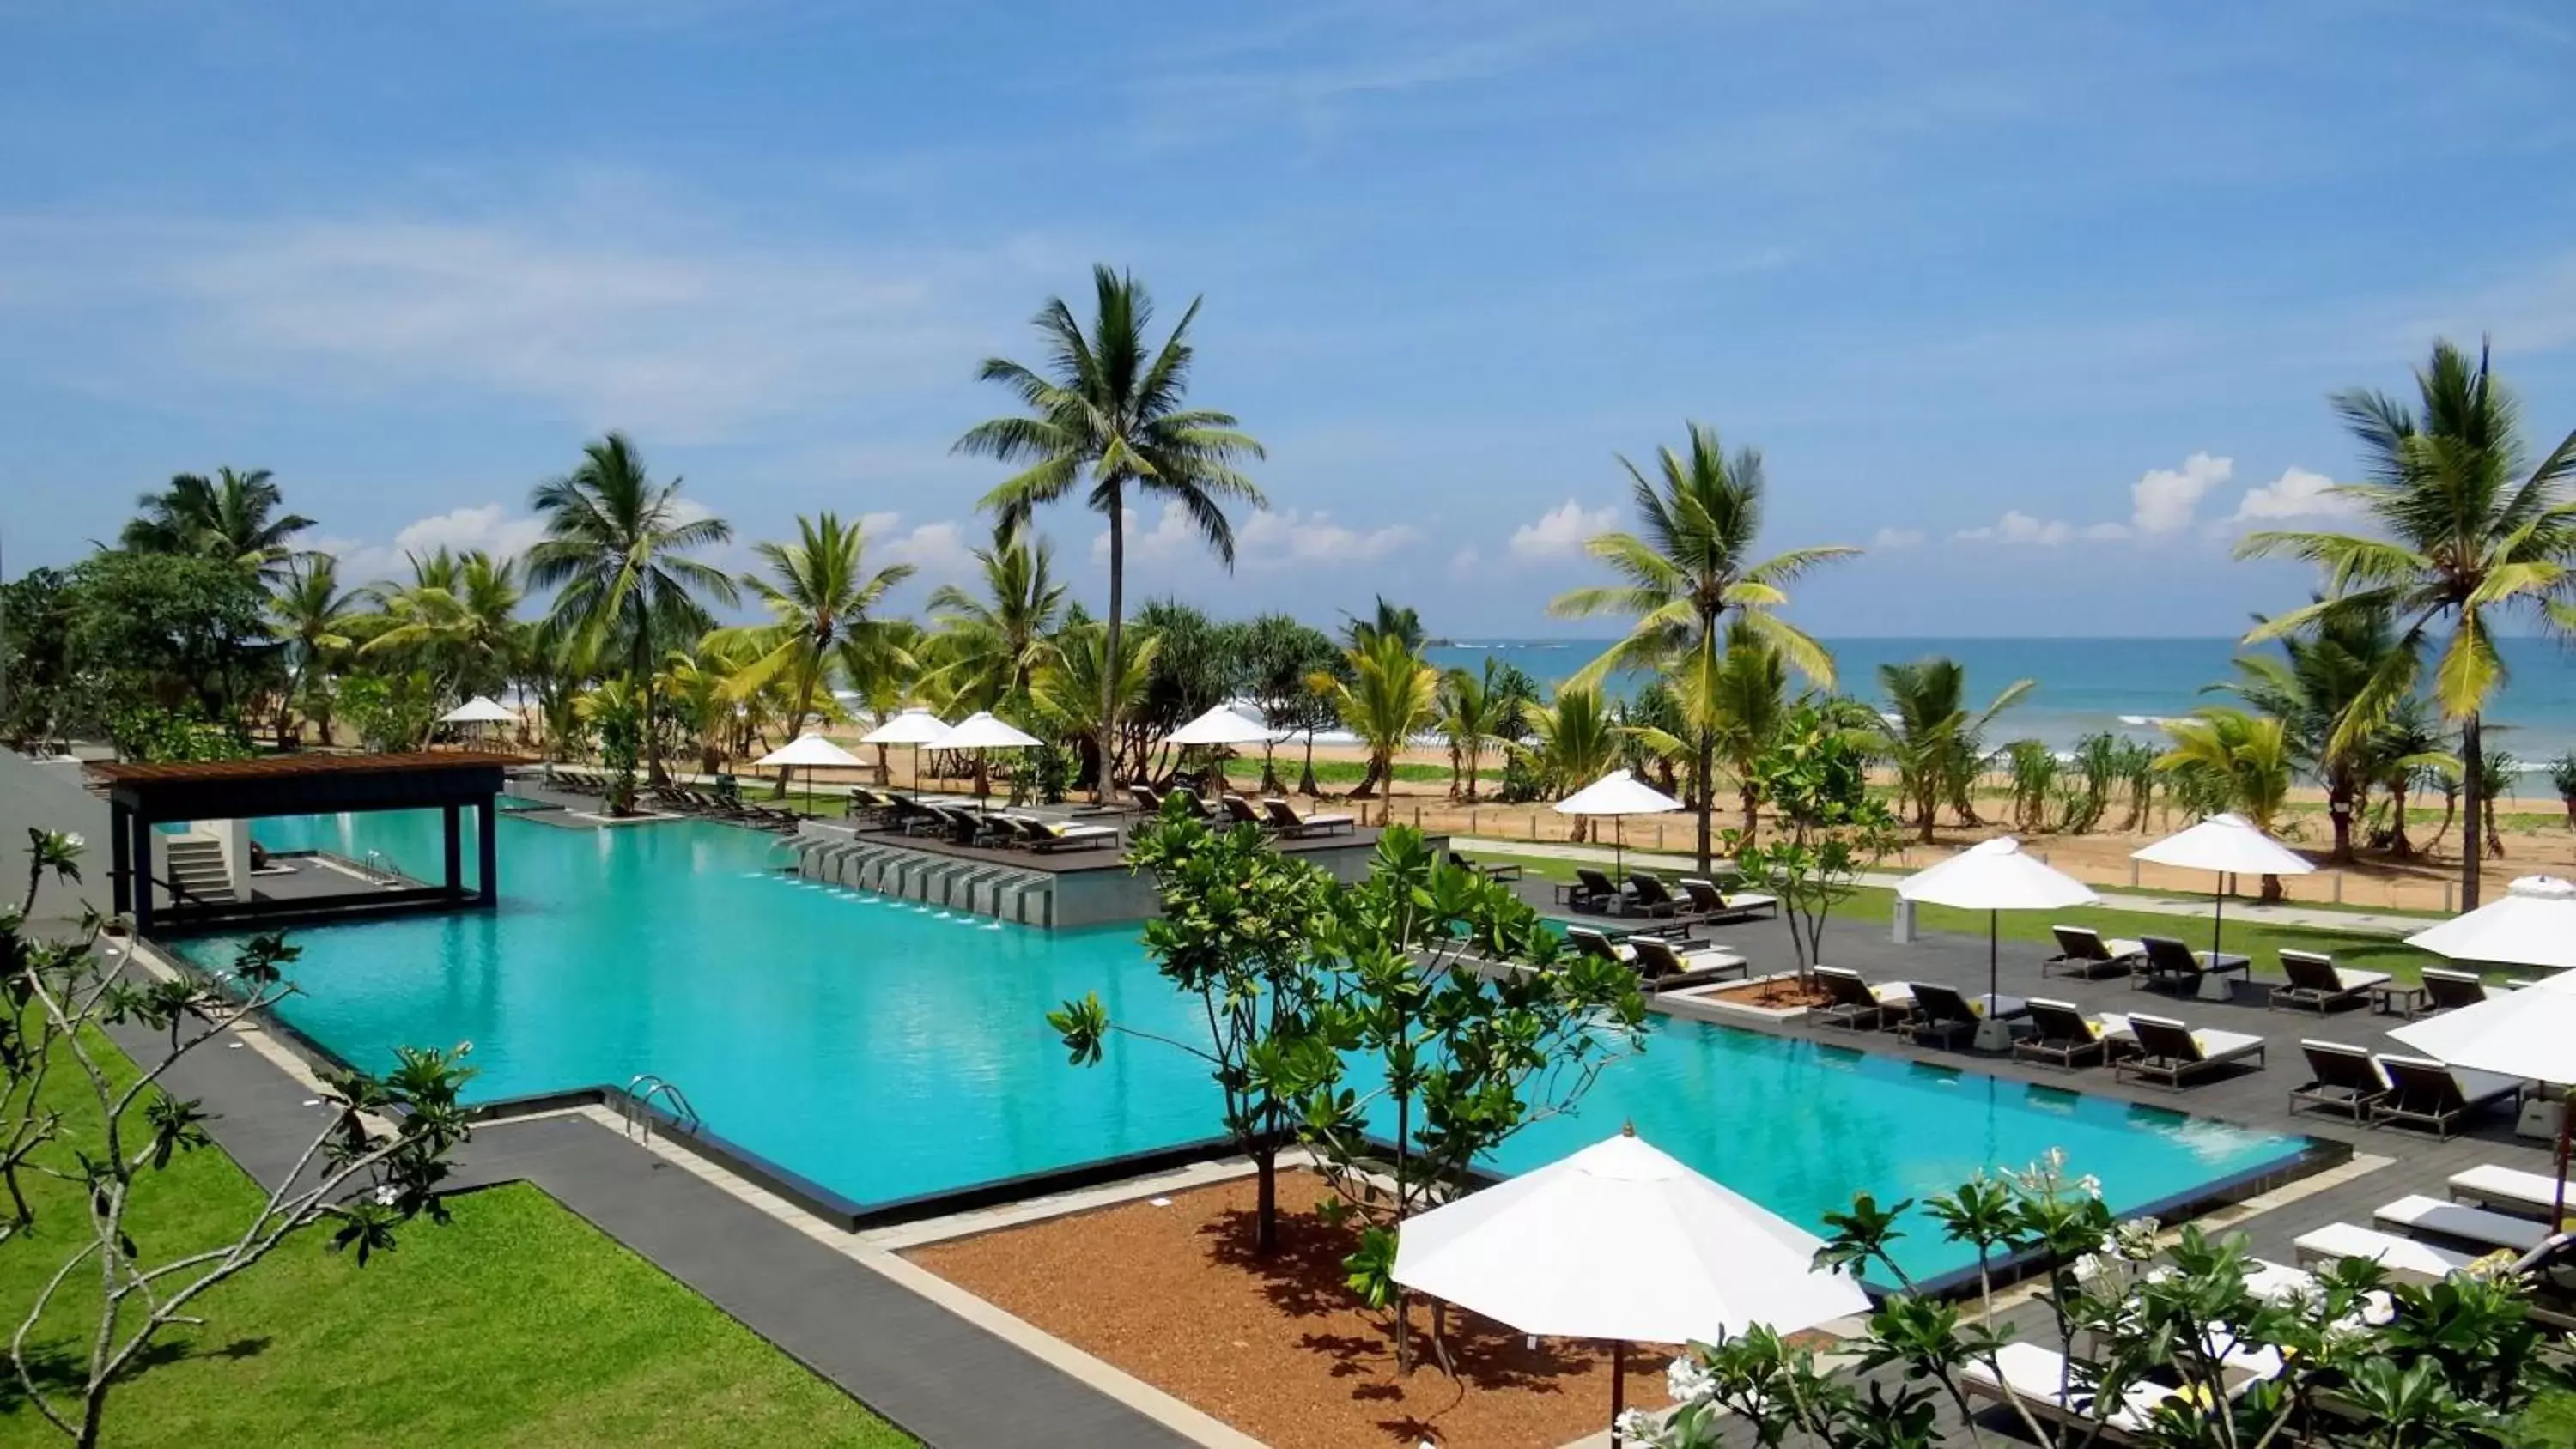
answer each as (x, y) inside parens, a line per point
(1993, 978)
(1618, 1387)
(2217, 916)
(2566, 1112)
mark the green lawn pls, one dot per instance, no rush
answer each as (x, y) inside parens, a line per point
(1877, 907)
(517, 1324)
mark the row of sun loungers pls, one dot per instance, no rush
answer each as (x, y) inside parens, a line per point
(2386, 1088)
(1660, 964)
(2148, 961)
(2491, 1209)
(1646, 894)
(1273, 814)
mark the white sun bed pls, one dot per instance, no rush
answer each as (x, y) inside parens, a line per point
(2041, 1379)
(2416, 1213)
(2509, 1188)
(2404, 1256)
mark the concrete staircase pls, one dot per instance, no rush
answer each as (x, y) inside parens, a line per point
(971, 887)
(197, 866)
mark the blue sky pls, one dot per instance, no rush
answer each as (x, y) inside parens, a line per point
(2040, 301)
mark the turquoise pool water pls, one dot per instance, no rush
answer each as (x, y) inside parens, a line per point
(884, 1051)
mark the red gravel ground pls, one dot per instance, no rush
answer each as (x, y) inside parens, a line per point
(1279, 1348)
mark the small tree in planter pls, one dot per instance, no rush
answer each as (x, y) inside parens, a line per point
(1478, 1023)
(1237, 932)
(1828, 829)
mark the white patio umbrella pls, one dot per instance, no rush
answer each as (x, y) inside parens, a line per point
(1619, 1241)
(982, 731)
(1617, 795)
(2229, 845)
(1220, 726)
(481, 709)
(2523, 1034)
(2532, 924)
(915, 727)
(1994, 876)
(809, 751)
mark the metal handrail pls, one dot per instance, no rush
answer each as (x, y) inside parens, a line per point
(636, 1105)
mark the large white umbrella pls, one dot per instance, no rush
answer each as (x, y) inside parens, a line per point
(2523, 1034)
(982, 731)
(2532, 924)
(915, 727)
(1619, 1241)
(1221, 726)
(809, 751)
(2229, 845)
(479, 710)
(1615, 795)
(1995, 876)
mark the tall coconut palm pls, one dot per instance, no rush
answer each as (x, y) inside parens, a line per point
(1083, 689)
(993, 646)
(1472, 710)
(311, 614)
(616, 711)
(615, 551)
(821, 601)
(457, 620)
(1687, 575)
(1576, 740)
(2467, 529)
(1388, 699)
(1107, 415)
(1936, 742)
(1749, 700)
(2241, 760)
(2319, 675)
(233, 515)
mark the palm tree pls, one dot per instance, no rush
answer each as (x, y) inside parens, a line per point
(1687, 575)
(1387, 701)
(458, 618)
(821, 599)
(616, 710)
(2467, 529)
(2239, 760)
(1472, 712)
(1109, 413)
(1578, 740)
(1935, 742)
(2400, 756)
(1748, 701)
(2320, 674)
(311, 615)
(993, 646)
(1401, 620)
(1082, 692)
(231, 516)
(613, 550)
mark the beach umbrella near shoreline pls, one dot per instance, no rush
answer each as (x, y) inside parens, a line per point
(1615, 796)
(1994, 876)
(809, 751)
(915, 727)
(2532, 924)
(2228, 845)
(1621, 1242)
(1220, 726)
(982, 731)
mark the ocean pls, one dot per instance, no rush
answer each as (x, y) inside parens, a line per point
(2088, 685)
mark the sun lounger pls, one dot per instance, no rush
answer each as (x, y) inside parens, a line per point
(1859, 1005)
(2425, 1092)
(2173, 1055)
(2081, 951)
(1489, 869)
(1715, 906)
(2444, 989)
(2316, 983)
(1239, 811)
(2064, 1036)
(2404, 1257)
(1592, 943)
(1661, 968)
(2340, 1078)
(1285, 818)
(2431, 1217)
(1145, 799)
(2509, 1188)
(2171, 960)
(1647, 891)
(2044, 1383)
(1941, 1011)
(1592, 891)
(1049, 836)
(1191, 804)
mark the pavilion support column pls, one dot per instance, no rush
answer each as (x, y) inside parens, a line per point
(487, 870)
(455, 862)
(120, 846)
(139, 853)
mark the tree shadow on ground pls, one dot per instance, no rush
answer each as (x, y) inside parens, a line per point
(58, 1370)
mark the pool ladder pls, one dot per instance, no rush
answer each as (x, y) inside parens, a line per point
(376, 868)
(636, 1106)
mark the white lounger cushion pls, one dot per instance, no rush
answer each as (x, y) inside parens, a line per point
(2421, 1214)
(2489, 1183)
(1748, 901)
(2396, 1254)
(2360, 980)
(2223, 1046)
(2037, 1374)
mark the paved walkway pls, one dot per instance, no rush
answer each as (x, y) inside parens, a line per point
(2323, 918)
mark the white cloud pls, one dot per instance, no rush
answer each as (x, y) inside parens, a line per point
(1269, 539)
(2163, 500)
(1172, 537)
(1563, 529)
(2297, 493)
(1463, 562)
(1896, 538)
(938, 552)
(491, 528)
(2022, 528)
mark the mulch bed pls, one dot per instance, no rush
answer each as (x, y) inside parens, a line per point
(1279, 1348)
(1780, 994)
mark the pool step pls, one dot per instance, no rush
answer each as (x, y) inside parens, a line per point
(969, 887)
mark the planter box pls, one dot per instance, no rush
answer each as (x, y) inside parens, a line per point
(1702, 1003)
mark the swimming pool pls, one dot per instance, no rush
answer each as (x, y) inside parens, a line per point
(886, 1051)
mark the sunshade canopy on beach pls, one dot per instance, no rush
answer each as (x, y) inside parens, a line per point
(1619, 1241)
(1617, 793)
(1221, 726)
(2532, 924)
(2525, 1034)
(1992, 876)
(912, 727)
(810, 750)
(2229, 845)
(478, 710)
(983, 731)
